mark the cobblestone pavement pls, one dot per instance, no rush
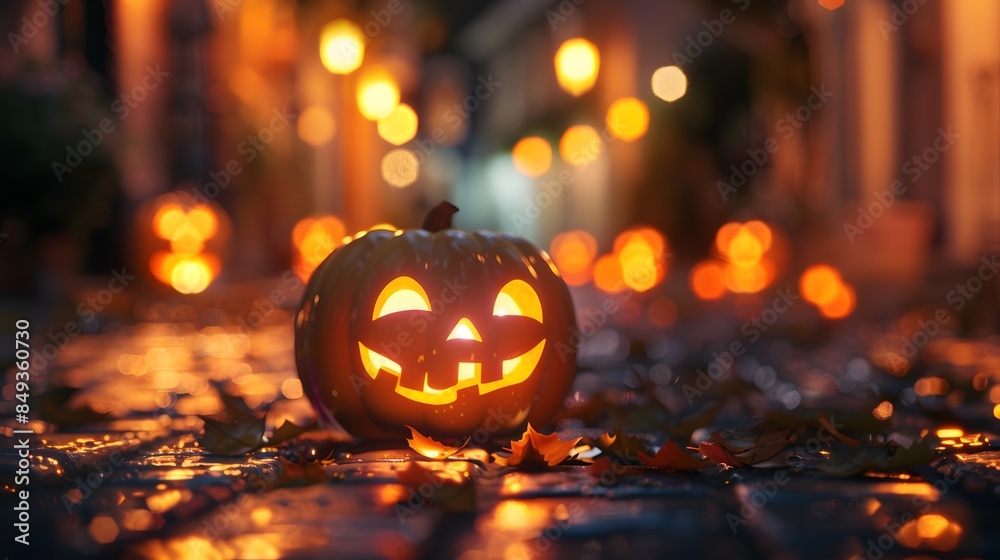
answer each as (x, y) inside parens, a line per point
(117, 469)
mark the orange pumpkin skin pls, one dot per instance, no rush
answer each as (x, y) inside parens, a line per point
(459, 363)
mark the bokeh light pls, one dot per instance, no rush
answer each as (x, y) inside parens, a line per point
(669, 83)
(532, 156)
(642, 253)
(707, 280)
(400, 126)
(628, 119)
(193, 274)
(608, 274)
(400, 167)
(577, 62)
(580, 145)
(822, 286)
(378, 94)
(316, 125)
(341, 46)
(313, 238)
(574, 253)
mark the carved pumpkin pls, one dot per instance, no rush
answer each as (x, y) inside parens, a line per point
(446, 331)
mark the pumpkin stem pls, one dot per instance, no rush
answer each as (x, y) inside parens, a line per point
(439, 217)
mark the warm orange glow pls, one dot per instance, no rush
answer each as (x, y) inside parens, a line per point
(400, 168)
(945, 433)
(883, 411)
(745, 279)
(743, 244)
(760, 231)
(669, 83)
(341, 46)
(820, 284)
(103, 529)
(532, 156)
(744, 250)
(707, 280)
(187, 231)
(641, 252)
(193, 274)
(378, 94)
(316, 126)
(608, 274)
(187, 266)
(313, 238)
(628, 119)
(580, 145)
(400, 126)
(842, 305)
(574, 253)
(577, 62)
(642, 234)
(725, 236)
(404, 294)
(930, 386)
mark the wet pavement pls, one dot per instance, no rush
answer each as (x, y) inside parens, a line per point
(118, 470)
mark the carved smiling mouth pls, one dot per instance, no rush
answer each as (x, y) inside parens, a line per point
(515, 370)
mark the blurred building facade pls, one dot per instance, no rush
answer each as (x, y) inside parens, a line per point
(856, 98)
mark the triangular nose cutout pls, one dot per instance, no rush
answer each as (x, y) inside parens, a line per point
(466, 330)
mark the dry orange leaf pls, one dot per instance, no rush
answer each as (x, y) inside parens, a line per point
(431, 448)
(536, 449)
(670, 456)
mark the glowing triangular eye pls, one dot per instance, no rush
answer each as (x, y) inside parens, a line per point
(464, 329)
(518, 298)
(402, 294)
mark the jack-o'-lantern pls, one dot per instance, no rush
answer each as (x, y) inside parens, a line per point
(443, 330)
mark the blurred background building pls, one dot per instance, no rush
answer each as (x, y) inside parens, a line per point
(801, 113)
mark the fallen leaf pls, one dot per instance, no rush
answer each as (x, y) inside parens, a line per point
(287, 431)
(605, 465)
(670, 456)
(847, 461)
(535, 449)
(227, 436)
(238, 430)
(744, 448)
(431, 448)
(621, 447)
